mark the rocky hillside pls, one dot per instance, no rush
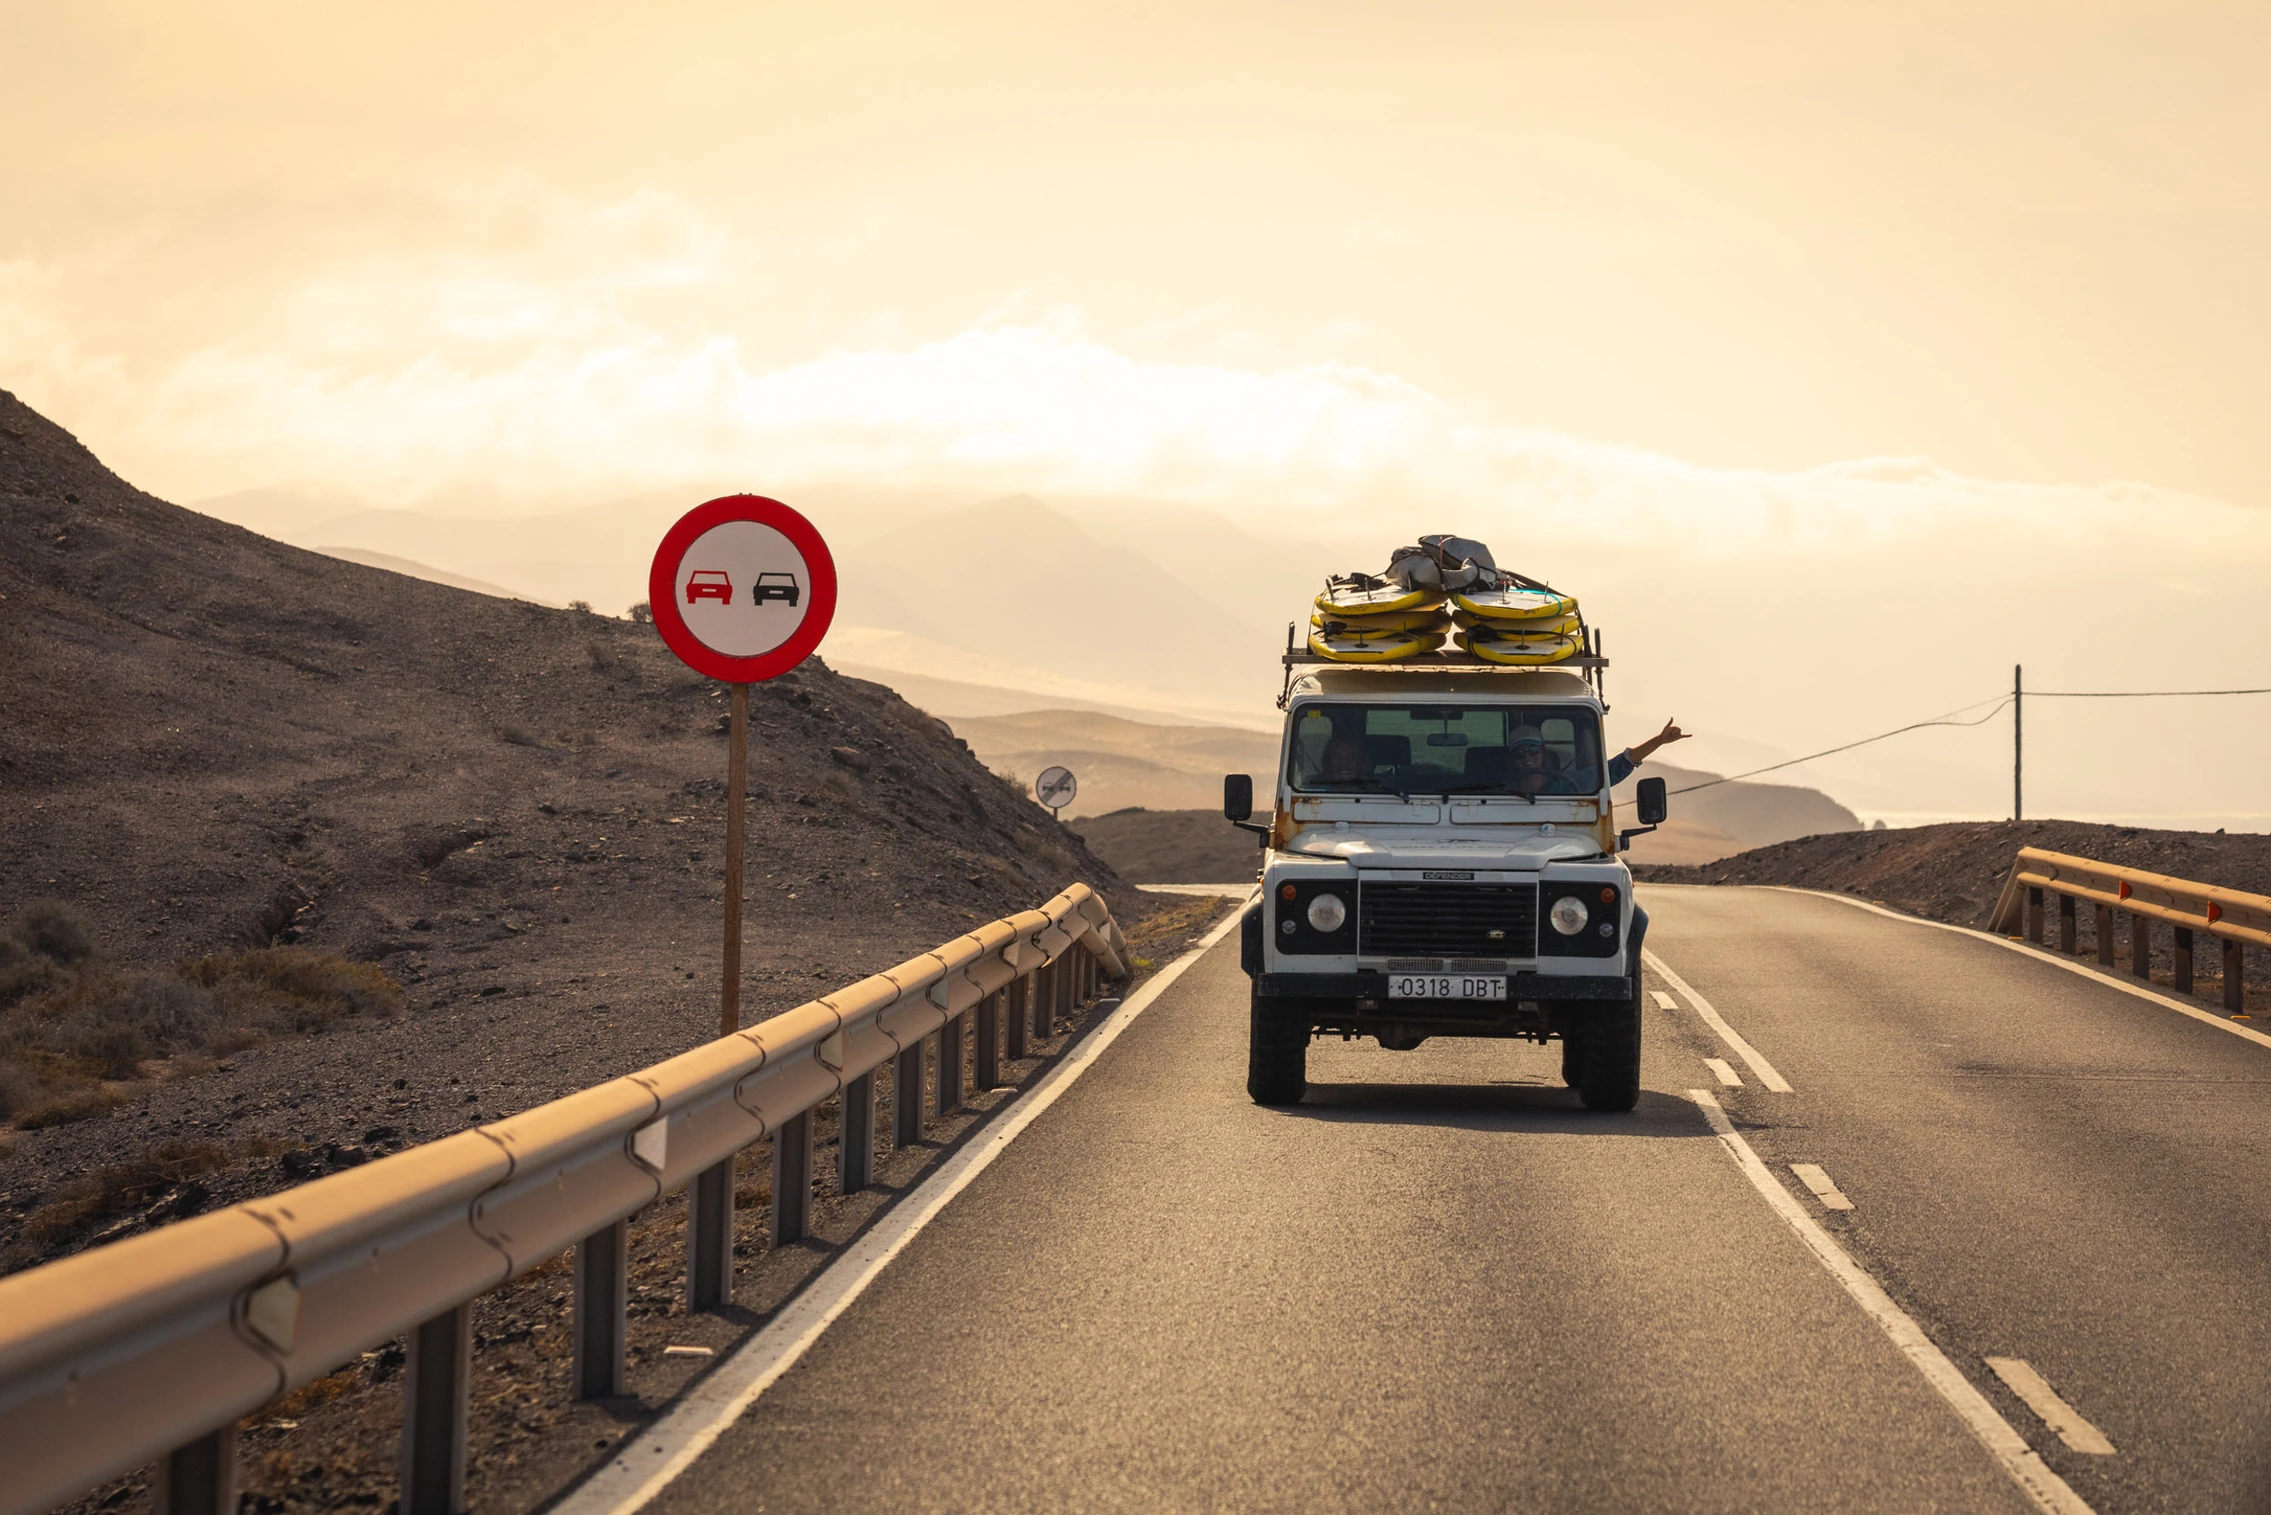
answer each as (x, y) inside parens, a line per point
(210, 740)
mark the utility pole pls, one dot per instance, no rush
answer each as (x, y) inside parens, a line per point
(2018, 749)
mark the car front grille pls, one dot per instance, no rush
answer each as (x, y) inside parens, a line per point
(1447, 920)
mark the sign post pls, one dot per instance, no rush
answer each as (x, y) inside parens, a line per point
(742, 590)
(1055, 789)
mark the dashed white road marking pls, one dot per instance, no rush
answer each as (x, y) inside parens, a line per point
(1712, 1018)
(1664, 1001)
(1811, 1175)
(2025, 1466)
(2035, 1390)
(645, 1464)
(1728, 1077)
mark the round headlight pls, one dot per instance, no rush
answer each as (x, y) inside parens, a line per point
(1327, 913)
(1569, 915)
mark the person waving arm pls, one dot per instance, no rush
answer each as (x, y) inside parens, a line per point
(1621, 766)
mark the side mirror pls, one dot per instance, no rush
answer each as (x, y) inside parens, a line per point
(1654, 806)
(1238, 796)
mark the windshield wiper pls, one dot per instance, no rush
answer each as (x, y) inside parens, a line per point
(1507, 789)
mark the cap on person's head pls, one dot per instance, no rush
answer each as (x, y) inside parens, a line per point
(1526, 736)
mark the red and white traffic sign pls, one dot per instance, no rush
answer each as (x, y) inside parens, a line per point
(742, 589)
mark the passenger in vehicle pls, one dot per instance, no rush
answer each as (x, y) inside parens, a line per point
(1529, 771)
(1533, 770)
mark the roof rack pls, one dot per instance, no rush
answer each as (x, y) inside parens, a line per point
(1589, 663)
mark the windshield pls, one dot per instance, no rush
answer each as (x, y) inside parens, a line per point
(1521, 750)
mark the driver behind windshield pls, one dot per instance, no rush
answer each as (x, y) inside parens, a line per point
(1343, 761)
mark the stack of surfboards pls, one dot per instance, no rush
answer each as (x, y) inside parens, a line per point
(1447, 589)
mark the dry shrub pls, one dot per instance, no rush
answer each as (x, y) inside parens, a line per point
(76, 1102)
(117, 1188)
(295, 988)
(72, 1030)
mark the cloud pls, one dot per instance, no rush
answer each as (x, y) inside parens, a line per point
(556, 348)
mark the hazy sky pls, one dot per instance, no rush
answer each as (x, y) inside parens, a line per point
(1241, 251)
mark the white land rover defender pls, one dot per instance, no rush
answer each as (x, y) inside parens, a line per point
(1442, 861)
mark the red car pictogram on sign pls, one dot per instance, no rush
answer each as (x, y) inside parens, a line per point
(709, 584)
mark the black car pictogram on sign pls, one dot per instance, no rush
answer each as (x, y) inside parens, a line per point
(776, 586)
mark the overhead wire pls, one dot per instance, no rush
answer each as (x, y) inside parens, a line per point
(2131, 694)
(2001, 702)
(1939, 720)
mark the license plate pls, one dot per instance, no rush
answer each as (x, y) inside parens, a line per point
(1445, 986)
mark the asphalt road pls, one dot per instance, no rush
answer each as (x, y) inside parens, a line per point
(1439, 1284)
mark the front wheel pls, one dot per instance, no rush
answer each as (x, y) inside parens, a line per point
(1607, 1055)
(1277, 1052)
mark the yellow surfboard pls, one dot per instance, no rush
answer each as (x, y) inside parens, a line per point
(1430, 619)
(1514, 604)
(1362, 594)
(1518, 649)
(1373, 646)
(1467, 620)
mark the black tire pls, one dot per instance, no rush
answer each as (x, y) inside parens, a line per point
(1569, 1057)
(1608, 1055)
(1277, 1052)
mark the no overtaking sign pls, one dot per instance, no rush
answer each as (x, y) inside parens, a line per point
(742, 589)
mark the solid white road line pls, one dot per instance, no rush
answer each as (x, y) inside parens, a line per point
(1811, 1175)
(1728, 1077)
(2025, 1467)
(2040, 955)
(644, 1465)
(1664, 1001)
(1712, 1018)
(2020, 1377)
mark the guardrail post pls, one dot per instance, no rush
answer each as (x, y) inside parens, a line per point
(199, 1479)
(2182, 952)
(2141, 947)
(2235, 982)
(2102, 920)
(437, 1376)
(2069, 937)
(709, 1237)
(1044, 1001)
(2034, 914)
(907, 1096)
(603, 1295)
(792, 1179)
(953, 1048)
(855, 1136)
(989, 1042)
(1019, 1005)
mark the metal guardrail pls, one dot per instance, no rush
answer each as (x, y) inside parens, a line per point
(156, 1346)
(2235, 918)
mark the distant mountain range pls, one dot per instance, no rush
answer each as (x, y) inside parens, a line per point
(1174, 773)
